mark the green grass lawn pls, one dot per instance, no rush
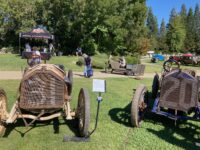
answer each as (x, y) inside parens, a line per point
(12, 62)
(114, 131)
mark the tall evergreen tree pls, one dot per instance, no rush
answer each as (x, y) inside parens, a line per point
(152, 24)
(190, 32)
(173, 15)
(197, 28)
(183, 14)
(152, 27)
(176, 32)
(162, 37)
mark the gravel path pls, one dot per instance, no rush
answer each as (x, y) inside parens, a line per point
(5, 75)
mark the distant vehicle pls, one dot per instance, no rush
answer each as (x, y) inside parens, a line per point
(189, 59)
(157, 57)
(177, 58)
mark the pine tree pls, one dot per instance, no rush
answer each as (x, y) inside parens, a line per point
(152, 27)
(190, 32)
(152, 24)
(162, 36)
(183, 14)
(173, 15)
(197, 28)
(176, 33)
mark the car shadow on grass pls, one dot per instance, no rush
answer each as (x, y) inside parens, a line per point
(121, 115)
(55, 123)
(183, 134)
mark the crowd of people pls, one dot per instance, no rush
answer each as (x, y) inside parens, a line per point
(88, 71)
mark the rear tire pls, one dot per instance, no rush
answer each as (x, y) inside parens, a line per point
(3, 111)
(70, 77)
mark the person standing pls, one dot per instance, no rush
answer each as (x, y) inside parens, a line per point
(36, 58)
(122, 62)
(51, 48)
(27, 47)
(88, 66)
(79, 51)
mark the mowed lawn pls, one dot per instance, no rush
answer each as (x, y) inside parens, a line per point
(12, 62)
(114, 131)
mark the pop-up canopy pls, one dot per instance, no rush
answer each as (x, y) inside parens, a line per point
(37, 33)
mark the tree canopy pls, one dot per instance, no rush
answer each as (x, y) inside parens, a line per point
(110, 26)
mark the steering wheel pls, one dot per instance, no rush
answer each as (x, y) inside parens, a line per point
(167, 65)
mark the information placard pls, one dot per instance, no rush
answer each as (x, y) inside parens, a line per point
(99, 85)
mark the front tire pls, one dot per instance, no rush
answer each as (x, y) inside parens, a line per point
(83, 112)
(138, 106)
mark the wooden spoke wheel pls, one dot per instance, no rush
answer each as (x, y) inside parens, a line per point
(138, 105)
(83, 112)
(70, 77)
(155, 86)
(170, 64)
(3, 111)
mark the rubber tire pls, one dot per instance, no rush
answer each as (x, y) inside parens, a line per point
(70, 77)
(83, 98)
(135, 105)
(2, 125)
(155, 86)
(174, 61)
(129, 73)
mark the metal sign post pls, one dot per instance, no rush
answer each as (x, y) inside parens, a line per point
(99, 86)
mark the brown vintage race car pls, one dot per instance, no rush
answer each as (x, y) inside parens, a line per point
(45, 93)
(175, 95)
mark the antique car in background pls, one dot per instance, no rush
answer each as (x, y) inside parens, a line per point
(187, 59)
(157, 57)
(44, 94)
(129, 69)
(174, 94)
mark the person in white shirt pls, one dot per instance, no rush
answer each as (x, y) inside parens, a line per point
(36, 58)
(122, 62)
(27, 47)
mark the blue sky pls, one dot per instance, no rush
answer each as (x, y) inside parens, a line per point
(162, 8)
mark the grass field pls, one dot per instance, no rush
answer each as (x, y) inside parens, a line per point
(114, 131)
(11, 62)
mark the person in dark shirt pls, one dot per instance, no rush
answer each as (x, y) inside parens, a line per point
(88, 64)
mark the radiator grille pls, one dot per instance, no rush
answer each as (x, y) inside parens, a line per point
(42, 90)
(179, 91)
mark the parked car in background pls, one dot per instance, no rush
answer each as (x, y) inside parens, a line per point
(187, 59)
(177, 58)
(157, 57)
